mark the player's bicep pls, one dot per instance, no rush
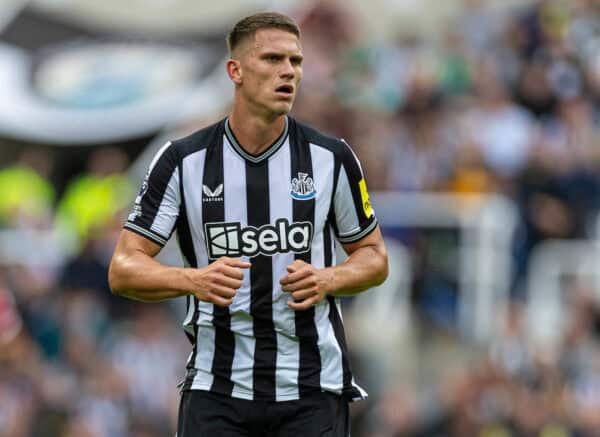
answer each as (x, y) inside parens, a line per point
(132, 255)
(130, 243)
(373, 240)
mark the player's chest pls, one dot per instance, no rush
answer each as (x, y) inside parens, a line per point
(246, 210)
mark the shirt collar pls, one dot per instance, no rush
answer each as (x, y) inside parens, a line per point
(264, 155)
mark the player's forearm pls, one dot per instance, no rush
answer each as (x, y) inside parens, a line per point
(140, 277)
(365, 268)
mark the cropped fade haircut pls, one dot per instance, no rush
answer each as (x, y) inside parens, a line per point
(247, 27)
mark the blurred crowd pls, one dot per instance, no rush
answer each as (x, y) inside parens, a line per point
(74, 360)
(508, 388)
(501, 100)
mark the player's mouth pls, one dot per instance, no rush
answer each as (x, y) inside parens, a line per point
(285, 90)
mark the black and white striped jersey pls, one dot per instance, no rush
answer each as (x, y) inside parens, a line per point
(290, 202)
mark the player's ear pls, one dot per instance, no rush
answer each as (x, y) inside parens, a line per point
(234, 71)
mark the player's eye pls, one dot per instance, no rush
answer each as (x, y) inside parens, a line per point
(273, 58)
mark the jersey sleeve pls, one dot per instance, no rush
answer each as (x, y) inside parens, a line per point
(157, 204)
(354, 215)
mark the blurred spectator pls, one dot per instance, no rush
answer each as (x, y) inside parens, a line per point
(92, 200)
(470, 174)
(27, 194)
(10, 319)
(503, 131)
(20, 365)
(135, 352)
(424, 152)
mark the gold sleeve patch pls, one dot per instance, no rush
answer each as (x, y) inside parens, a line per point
(364, 197)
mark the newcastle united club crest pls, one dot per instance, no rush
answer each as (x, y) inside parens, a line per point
(303, 187)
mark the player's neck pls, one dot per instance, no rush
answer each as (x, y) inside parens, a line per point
(255, 134)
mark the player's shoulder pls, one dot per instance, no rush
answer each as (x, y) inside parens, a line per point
(311, 135)
(199, 140)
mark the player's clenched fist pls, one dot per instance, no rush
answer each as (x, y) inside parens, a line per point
(218, 282)
(306, 283)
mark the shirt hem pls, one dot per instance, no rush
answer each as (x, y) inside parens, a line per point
(246, 395)
(145, 233)
(358, 235)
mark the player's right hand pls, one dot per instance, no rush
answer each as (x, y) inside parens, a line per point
(218, 282)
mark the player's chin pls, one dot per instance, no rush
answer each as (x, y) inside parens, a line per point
(284, 111)
(282, 107)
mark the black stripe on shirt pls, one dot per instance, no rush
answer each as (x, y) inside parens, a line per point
(261, 288)
(184, 234)
(354, 174)
(349, 391)
(215, 212)
(328, 246)
(309, 372)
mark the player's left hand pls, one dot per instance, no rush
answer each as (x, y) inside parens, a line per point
(306, 283)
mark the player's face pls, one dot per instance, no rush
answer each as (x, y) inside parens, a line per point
(271, 69)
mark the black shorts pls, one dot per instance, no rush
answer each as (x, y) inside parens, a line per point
(205, 414)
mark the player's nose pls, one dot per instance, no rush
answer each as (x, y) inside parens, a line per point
(287, 69)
